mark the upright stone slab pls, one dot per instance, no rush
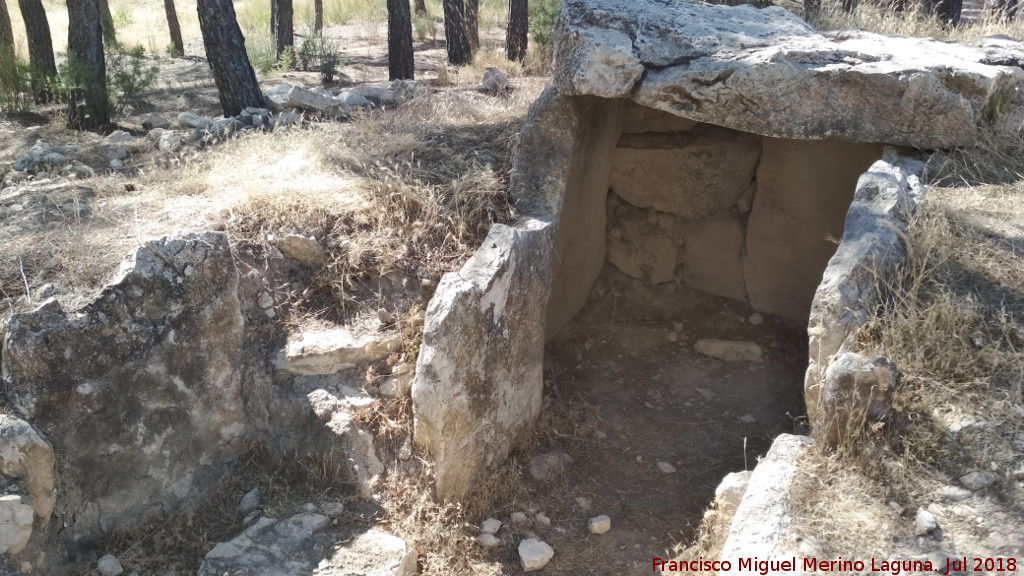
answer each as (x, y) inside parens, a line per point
(479, 374)
(138, 391)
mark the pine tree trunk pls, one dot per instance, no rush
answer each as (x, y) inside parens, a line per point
(400, 60)
(6, 37)
(284, 33)
(177, 45)
(460, 53)
(107, 24)
(42, 66)
(225, 50)
(473, 23)
(517, 34)
(318, 16)
(948, 11)
(421, 7)
(88, 108)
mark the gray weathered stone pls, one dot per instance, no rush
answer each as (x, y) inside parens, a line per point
(494, 81)
(191, 120)
(979, 479)
(534, 554)
(356, 444)
(26, 455)
(547, 466)
(141, 389)
(740, 67)
(15, 523)
(305, 249)
(855, 392)
(372, 553)
(155, 121)
(760, 524)
(328, 351)
(729, 350)
(109, 565)
(272, 548)
(886, 196)
(599, 524)
(41, 155)
(479, 374)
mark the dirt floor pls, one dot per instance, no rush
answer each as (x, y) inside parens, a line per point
(626, 390)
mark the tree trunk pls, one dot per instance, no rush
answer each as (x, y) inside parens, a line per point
(225, 49)
(42, 66)
(473, 23)
(107, 24)
(177, 45)
(460, 53)
(6, 37)
(421, 7)
(87, 104)
(517, 34)
(1006, 10)
(811, 9)
(948, 11)
(400, 61)
(284, 33)
(318, 17)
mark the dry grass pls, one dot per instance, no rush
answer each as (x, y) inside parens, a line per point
(916, 20)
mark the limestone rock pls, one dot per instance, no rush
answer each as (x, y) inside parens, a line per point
(547, 466)
(305, 249)
(665, 467)
(599, 524)
(271, 547)
(42, 155)
(886, 196)
(856, 391)
(490, 526)
(713, 258)
(479, 373)
(494, 81)
(387, 94)
(287, 96)
(759, 525)
(740, 67)
(328, 351)
(191, 120)
(137, 380)
(732, 488)
(372, 553)
(534, 554)
(25, 454)
(356, 444)
(692, 174)
(250, 502)
(109, 565)
(924, 522)
(488, 541)
(15, 523)
(979, 479)
(155, 121)
(170, 141)
(730, 350)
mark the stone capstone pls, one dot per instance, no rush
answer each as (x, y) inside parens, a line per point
(740, 67)
(141, 388)
(27, 456)
(479, 374)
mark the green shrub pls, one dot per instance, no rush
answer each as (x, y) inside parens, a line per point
(542, 24)
(15, 85)
(320, 54)
(129, 75)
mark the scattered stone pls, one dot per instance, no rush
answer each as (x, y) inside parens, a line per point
(270, 547)
(583, 503)
(170, 141)
(191, 120)
(856, 391)
(335, 409)
(266, 300)
(15, 523)
(748, 419)
(547, 466)
(322, 352)
(396, 386)
(666, 468)
(953, 493)
(542, 520)
(386, 318)
(488, 541)
(732, 488)
(924, 522)
(116, 164)
(490, 526)
(333, 509)
(250, 502)
(286, 118)
(495, 81)
(672, 337)
(756, 319)
(706, 394)
(519, 519)
(46, 291)
(677, 326)
(41, 155)
(305, 249)
(109, 565)
(978, 479)
(599, 524)
(729, 350)
(534, 554)
(286, 96)
(26, 455)
(155, 121)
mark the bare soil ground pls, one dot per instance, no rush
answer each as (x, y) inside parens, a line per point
(625, 391)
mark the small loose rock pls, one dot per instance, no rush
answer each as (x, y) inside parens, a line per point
(109, 566)
(924, 522)
(488, 541)
(666, 468)
(534, 554)
(490, 526)
(599, 524)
